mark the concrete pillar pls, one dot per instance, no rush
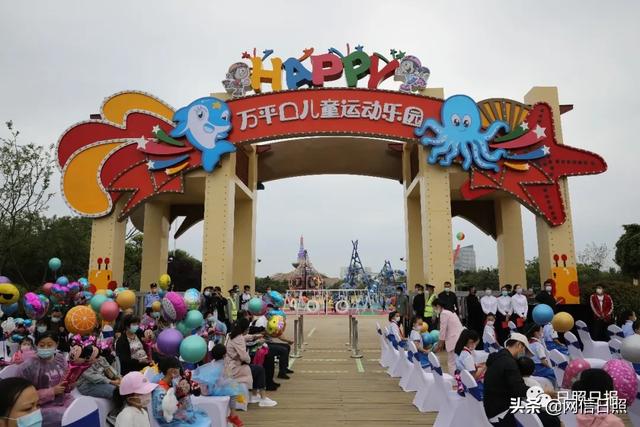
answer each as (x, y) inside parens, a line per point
(218, 234)
(244, 230)
(510, 242)
(435, 202)
(155, 243)
(554, 240)
(413, 235)
(107, 241)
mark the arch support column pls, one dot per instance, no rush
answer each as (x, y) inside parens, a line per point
(510, 242)
(155, 243)
(107, 241)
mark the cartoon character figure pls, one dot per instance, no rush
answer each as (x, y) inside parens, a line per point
(413, 75)
(8, 293)
(101, 279)
(565, 282)
(206, 123)
(238, 81)
(460, 134)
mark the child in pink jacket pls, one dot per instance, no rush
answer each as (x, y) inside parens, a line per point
(596, 380)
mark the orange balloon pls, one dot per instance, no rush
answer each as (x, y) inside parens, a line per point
(126, 299)
(562, 322)
(81, 320)
(156, 305)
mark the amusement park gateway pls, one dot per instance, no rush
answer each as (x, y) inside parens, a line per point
(142, 160)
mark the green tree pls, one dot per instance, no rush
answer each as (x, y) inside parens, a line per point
(532, 270)
(276, 285)
(628, 250)
(185, 270)
(133, 261)
(482, 278)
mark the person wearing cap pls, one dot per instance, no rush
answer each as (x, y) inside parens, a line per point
(450, 330)
(232, 305)
(151, 296)
(134, 392)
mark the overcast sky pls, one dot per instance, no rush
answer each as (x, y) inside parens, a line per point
(59, 59)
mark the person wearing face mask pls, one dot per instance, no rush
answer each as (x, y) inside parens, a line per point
(489, 303)
(489, 331)
(25, 351)
(132, 399)
(151, 296)
(602, 309)
(475, 315)
(418, 301)
(232, 305)
(520, 307)
(450, 330)
(47, 372)
(396, 330)
(403, 307)
(505, 310)
(19, 404)
(545, 296)
(430, 297)
(129, 347)
(58, 327)
(448, 298)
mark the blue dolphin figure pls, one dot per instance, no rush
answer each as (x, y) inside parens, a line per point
(206, 123)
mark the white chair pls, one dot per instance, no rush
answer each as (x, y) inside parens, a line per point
(104, 405)
(480, 356)
(528, 420)
(559, 363)
(512, 327)
(573, 346)
(410, 378)
(393, 355)
(593, 349)
(82, 412)
(615, 344)
(615, 330)
(10, 371)
(544, 382)
(448, 400)
(490, 342)
(384, 348)
(216, 407)
(474, 408)
(402, 365)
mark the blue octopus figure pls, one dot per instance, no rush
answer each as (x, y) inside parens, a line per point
(460, 134)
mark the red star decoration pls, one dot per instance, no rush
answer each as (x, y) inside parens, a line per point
(538, 188)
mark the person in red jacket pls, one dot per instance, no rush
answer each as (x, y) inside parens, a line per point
(602, 307)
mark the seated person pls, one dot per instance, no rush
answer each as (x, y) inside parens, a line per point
(100, 379)
(542, 365)
(465, 354)
(280, 350)
(596, 380)
(395, 329)
(132, 399)
(526, 367)
(551, 340)
(628, 317)
(171, 400)
(129, 347)
(490, 330)
(19, 404)
(47, 372)
(25, 351)
(416, 337)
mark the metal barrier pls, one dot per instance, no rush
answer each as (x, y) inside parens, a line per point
(298, 337)
(353, 338)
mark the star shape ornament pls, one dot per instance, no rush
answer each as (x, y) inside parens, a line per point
(155, 129)
(524, 126)
(141, 143)
(540, 131)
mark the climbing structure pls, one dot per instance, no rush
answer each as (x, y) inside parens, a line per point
(356, 275)
(387, 280)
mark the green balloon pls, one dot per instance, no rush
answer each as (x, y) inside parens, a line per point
(97, 301)
(184, 329)
(194, 319)
(193, 348)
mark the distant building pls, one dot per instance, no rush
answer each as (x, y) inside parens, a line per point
(466, 260)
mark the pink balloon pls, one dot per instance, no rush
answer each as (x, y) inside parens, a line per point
(47, 287)
(174, 308)
(573, 369)
(109, 310)
(624, 378)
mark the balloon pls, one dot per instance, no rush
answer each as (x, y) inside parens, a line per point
(62, 281)
(8, 293)
(84, 282)
(109, 310)
(126, 299)
(562, 322)
(630, 349)
(435, 335)
(97, 301)
(101, 292)
(424, 328)
(276, 326)
(427, 339)
(156, 306)
(55, 264)
(194, 319)
(109, 293)
(272, 313)
(192, 299)
(173, 307)
(573, 369)
(80, 320)
(165, 281)
(624, 378)
(274, 298)
(168, 341)
(257, 306)
(460, 235)
(74, 287)
(28, 322)
(9, 309)
(34, 306)
(4, 279)
(542, 314)
(193, 349)
(184, 329)
(162, 293)
(46, 288)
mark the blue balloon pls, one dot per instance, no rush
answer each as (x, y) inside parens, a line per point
(9, 309)
(272, 313)
(427, 339)
(55, 264)
(62, 281)
(435, 335)
(542, 314)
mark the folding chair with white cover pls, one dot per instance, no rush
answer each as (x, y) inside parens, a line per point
(402, 364)
(528, 420)
(490, 343)
(474, 408)
(573, 346)
(615, 330)
(544, 382)
(424, 399)
(394, 354)
(559, 363)
(10, 371)
(480, 356)
(615, 344)
(633, 410)
(384, 347)
(104, 405)
(411, 378)
(82, 412)
(591, 348)
(216, 407)
(512, 327)
(449, 401)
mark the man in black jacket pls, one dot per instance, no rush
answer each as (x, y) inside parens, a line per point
(448, 298)
(418, 302)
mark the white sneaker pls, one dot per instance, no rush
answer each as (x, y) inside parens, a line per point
(254, 398)
(267, 403)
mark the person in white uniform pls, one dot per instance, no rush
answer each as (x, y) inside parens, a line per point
(505, 309)
(520, 307)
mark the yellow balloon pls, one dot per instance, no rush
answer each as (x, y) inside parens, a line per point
(126, 299)
(425, 328)
(156, 306)
(165, 281)
(8, 293)
(562, 322)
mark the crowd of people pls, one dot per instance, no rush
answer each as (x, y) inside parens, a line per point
(504, 320)
(121, 361)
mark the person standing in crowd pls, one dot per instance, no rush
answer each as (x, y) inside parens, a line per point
(19, 403)
(450, 330)
(403, 308)
(448, 298)
(152, 296)
(418, 301)
(430, 296)
(503, 381)
(489, 303)
(220, 304)
(209, 304)
(520, 307)
(245, 297)
(474, 312)
(545, 296)
(602, 308)
(628, 318)
(505, 310)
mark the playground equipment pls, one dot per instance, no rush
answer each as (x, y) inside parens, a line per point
(356, 275)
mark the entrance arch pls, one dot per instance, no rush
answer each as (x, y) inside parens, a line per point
(147, 174)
